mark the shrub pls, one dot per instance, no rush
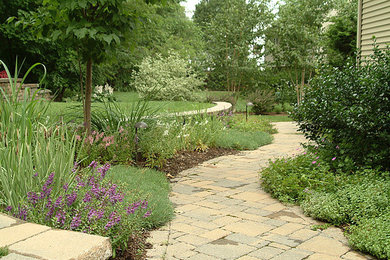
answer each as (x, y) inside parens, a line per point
(372, 235)
(351, 106)
(166, 78)
(293, 179)
(278, 108)
(91, 204)
(263, 101)
(287, 107)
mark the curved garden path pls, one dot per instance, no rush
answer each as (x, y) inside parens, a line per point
(222, 213)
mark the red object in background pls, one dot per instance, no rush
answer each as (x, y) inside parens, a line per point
(3, 74)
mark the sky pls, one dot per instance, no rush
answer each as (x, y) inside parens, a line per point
(190, 6)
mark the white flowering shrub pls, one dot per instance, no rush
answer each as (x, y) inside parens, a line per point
(103, 92)
(170, 78)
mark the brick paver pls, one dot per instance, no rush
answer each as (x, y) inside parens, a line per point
(222, 213)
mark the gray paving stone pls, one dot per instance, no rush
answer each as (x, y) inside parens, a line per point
(241, 238)
(293, 254)
(225, 251)
(266, 252)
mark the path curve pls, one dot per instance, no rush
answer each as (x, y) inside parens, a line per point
(219, 107)
(222, 213)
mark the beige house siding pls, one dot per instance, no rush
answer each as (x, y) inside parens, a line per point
(373, 20)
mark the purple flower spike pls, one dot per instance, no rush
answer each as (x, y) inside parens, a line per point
(144, 204)
(147, 214)
(36, 174)
(33, 198)
(61, 218)
(314, 162)
(93, 165)
(334, 158)
(87, 197)
(76, 221)
(65, 187)
(70, 198)
(9, 208)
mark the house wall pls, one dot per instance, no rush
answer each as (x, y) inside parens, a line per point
(373, 20)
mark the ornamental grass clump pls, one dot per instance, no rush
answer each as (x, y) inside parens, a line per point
(91, 204)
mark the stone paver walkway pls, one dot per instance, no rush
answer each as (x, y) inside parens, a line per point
(222, 213)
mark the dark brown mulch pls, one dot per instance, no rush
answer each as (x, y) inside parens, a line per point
(136, 248)
(183, 160)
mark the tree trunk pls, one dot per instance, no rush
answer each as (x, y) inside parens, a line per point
(302, 84)
(81, 83)
(88, 95)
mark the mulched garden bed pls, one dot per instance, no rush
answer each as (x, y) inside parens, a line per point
(184, 160)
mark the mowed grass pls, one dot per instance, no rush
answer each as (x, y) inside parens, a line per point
(150, 185)
(125, 101)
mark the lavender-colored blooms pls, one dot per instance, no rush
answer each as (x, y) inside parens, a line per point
(9, 208)
(70, 198)
(61, 217)
(334, 158)
(87, 197)
(113, 220)
(22, 213)
(65, 187)
(33, 198)
(93, 165)
(35, 175)
(103, 170)
(76, 221)
(58, 202)
(147, 214)
(144, 204)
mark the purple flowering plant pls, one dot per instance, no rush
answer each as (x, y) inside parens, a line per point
(91, 204)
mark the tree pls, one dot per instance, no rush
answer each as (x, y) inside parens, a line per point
(21, 43)
(94, 28)
(340, 36)
(294, 38)
(232, 29)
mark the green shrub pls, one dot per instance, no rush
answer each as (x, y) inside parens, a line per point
(293, 179)
(166, 78)
(287, 107)
(372, 235)
(351, 106)
(263, 100)
(278, 108)
(240, 140)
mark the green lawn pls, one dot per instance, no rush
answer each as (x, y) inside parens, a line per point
(126, 100)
